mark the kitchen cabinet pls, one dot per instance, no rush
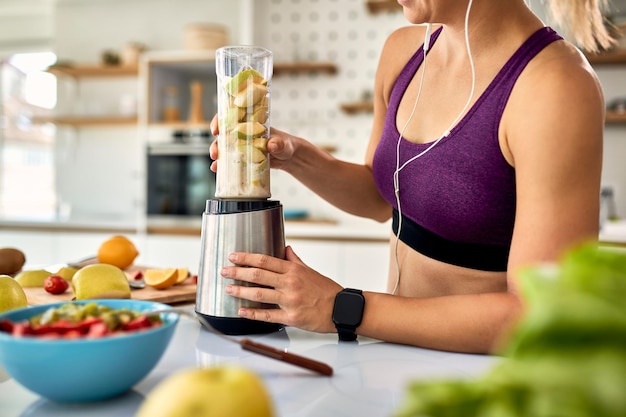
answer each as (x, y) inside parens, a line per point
(357, 263)
(166, 79)
(351, 263)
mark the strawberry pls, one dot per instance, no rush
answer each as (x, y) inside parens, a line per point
(55, 284)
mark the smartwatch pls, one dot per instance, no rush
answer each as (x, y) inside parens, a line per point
(348, 313)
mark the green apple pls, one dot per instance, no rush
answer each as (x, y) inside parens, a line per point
(219, 391)
(100, 281)
(12, 294)
(32, 277)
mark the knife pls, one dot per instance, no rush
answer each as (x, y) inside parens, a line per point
(256, 347)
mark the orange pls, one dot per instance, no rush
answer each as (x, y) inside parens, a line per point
(118, 251)
(160, 278)
(183, 274)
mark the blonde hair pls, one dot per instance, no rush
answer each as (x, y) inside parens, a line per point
(584, 21)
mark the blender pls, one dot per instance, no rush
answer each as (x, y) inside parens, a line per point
(241, 217)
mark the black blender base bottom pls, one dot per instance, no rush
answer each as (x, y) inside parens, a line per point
(236, 326)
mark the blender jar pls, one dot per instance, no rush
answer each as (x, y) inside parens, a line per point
(243, 106)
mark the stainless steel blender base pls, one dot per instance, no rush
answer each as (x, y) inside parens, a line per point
(254, 226)
(238, 326)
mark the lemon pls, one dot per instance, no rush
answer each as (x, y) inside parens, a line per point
(118, 251)
(183, 274)
(32, 277)
(160, 278)
(11, 294)
(100, 281)
(227, 390)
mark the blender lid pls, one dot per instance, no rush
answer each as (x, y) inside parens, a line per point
(238, 206)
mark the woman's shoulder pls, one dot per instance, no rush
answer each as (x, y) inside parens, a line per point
(405, 40)
(399, 47)
(561, 63)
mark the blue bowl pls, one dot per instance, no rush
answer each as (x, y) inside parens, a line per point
(82, 370)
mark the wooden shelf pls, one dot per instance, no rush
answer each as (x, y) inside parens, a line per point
(358, 107)
(88, 70)
(304, 66)
(78, 121)
(615, 117)
(182, 125)
(381, 6)
(614, 57)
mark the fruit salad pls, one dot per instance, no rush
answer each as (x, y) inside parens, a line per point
(243, 112)
(73, 320)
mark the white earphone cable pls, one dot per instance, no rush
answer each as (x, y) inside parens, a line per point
(396, 174)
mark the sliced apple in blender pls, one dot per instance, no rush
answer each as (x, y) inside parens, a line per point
(242, 79)
(249, 130)
(251, 95)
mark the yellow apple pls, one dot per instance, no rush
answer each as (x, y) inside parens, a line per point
(32, 277)
(11, 294)
(100, 281)
(220, 391)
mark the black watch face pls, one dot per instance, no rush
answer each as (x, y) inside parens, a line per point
(348, 309)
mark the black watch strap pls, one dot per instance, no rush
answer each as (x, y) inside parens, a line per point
(348, 313)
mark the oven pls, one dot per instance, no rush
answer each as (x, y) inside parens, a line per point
(179, 179)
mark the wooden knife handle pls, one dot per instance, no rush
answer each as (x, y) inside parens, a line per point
(283, 356)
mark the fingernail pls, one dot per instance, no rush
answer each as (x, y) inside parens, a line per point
(225, 272)
(242, 313)
(232, 257)
(228, 289)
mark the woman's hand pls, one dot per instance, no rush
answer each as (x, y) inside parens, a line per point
(305, 297)
(281, 147)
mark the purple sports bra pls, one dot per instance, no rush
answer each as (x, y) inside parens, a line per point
(458, 200)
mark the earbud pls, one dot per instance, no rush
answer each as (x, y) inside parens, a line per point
(427, 37)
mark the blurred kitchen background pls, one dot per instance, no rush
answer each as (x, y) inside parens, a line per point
(86, 85)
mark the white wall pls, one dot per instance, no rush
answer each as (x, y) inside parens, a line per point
(83, 28)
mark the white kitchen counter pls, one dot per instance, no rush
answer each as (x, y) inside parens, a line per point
(370, 377)
(614, 232)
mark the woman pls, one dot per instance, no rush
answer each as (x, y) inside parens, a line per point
(507, 119)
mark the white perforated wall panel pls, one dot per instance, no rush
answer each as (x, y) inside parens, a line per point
(308, 104)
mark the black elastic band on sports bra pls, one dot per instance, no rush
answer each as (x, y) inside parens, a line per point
(469, 255)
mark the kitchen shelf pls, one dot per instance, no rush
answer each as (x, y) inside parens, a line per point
(182, 125)
(381, 6)
(83, 121)
(613, 57)
(615, 117)
(94, 70)
(358, 107)
(304, 66)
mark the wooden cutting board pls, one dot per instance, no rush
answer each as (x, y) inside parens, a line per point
(181, 293)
